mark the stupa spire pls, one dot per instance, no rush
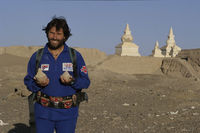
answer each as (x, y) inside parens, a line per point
(127, 30)
(127, 37)
(156, 45)
(171, 34)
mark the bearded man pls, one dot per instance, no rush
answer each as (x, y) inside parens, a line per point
(56, 107)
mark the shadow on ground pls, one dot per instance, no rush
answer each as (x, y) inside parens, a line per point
(20, 128)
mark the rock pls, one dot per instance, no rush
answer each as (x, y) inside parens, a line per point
(94, 118)
(125, 126)
(2, 123)
(22, 92)
(149, 115)
(135, 104)
(125, 104)
(174, 113)
(118, 118)
(195, 114)
(40, 76)
(185, 130)
(66, 75)
(196, 79)
(163, 95)
(184, 109)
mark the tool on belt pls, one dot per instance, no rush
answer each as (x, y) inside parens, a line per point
(64, 102)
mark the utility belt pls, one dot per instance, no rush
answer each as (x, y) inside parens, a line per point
(64, 102)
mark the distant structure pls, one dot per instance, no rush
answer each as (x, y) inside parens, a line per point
(157, 52)
(127, 47)
(170, 49)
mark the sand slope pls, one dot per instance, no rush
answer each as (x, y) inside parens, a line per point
(131, 65)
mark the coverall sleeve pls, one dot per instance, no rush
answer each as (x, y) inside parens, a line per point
(28, 79)
(82, 81)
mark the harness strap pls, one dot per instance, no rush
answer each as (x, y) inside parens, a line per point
(72, 53)
(38, 58)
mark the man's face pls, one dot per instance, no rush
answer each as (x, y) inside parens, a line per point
(56, 38)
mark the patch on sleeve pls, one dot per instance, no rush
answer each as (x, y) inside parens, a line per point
(67, 67)
(45, 67)
(84, 69)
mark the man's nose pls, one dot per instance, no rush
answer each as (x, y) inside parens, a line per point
(54, 36)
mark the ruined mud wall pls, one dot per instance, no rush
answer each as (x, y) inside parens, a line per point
(186, 64)
(192, 56)
(177, 67)
(188, 53)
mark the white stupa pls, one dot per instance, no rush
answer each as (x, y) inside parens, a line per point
(157, 52)
(170, 49)
(127, 47)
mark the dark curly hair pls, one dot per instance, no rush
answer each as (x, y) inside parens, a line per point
(59, 23)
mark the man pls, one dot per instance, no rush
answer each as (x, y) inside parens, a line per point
(55, 108)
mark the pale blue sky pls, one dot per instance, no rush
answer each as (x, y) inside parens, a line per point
(100, 24)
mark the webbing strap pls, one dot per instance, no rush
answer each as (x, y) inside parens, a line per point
(72, 53)
(38, 58)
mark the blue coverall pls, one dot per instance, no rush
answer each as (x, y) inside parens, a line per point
(47, 118)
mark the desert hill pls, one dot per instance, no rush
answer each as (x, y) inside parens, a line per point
(9, 60)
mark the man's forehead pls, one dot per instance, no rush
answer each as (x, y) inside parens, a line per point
(56, 29)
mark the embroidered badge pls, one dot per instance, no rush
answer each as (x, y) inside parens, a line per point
(45, 67)
(84, 69)
(67, 67)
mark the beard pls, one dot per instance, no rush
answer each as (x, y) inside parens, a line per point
(53, 47)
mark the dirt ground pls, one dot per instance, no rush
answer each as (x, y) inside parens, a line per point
(118, 103)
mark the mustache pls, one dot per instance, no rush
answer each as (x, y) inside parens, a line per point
(54, 40)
